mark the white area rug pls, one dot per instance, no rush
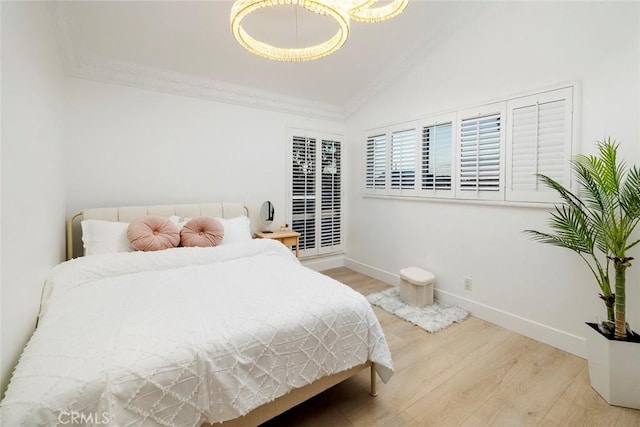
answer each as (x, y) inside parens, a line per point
(432, 318)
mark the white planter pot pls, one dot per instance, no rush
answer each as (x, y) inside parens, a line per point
(614, 369)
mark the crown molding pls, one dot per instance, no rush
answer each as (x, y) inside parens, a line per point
(92, 67)
(128, 74)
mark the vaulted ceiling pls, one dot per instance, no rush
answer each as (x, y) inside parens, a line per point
(186, 47)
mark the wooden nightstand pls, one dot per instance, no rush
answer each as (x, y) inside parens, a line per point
(287, 238)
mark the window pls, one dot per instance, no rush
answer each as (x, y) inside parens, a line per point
(539, 142)
(436, 162)
(303, 191)
(316, 191)
(490, 152)
(376, 165)
(403, 161)
(331, 197)
(480, 152)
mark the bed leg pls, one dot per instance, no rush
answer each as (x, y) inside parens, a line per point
(373, 391)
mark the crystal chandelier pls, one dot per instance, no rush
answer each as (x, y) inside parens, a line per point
(340, 10)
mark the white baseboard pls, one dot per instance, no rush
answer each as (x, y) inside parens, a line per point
(324, 262)
(376, 273)
(554, 337)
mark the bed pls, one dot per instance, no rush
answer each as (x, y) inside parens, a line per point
(233, 334)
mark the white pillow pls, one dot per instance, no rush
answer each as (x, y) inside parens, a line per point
(179, 221)
(104, 237)
(236, 229)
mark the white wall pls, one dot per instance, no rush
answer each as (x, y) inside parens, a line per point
(128, 146)
(132, 146)
(33, 194)
(539, 290)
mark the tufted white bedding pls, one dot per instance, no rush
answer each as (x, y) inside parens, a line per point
(185, 336)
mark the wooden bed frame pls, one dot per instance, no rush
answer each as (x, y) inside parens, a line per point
(269, 410)
(296, 396)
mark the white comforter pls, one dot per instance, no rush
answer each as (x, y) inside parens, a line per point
(184, 336)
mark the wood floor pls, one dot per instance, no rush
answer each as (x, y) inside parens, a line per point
(471, 374)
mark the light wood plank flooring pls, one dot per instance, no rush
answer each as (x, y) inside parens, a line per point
(471, 374)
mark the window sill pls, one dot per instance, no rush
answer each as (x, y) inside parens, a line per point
(501, 203)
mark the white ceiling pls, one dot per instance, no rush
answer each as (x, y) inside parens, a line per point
(186, 47)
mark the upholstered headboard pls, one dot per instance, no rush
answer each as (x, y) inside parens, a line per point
(129, 213)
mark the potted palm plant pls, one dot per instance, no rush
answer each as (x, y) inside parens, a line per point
(598, 225)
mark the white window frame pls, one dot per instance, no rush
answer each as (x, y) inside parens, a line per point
(541, 193)
(304, 134)
(319, 136)
(402, 191)
(475, 113)
(432, 121)
(384, 132)
(504, 192)
(339, 247)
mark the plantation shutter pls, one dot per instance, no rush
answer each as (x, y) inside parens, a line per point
(376, 163)
(303, 194)
(480, 156)
(331, 196)
(316, 192)
(437, 160)
(403, 161)
(539, 142)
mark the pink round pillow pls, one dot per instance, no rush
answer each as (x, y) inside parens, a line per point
(153, 233)
(202, 231)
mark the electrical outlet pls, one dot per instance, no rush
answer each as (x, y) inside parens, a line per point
(467, 283)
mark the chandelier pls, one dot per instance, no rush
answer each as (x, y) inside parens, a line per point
(342, 11)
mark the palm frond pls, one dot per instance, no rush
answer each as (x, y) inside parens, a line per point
(605, 169)
(630, 193)
(602, 236)
(564, 192)
(629, 246)
(600, 272)
(550, 239)
(594, 197)
(572, 225)
(571, 230)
